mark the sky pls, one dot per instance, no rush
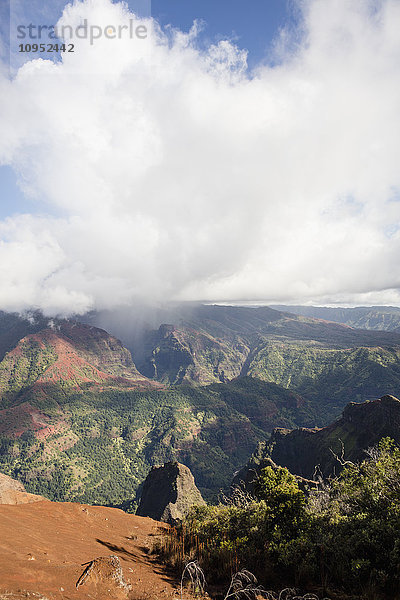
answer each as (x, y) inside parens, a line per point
(251, 25)
(237, 152)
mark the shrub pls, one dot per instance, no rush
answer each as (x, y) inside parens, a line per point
(345, 535)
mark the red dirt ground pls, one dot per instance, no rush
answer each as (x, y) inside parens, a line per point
(44, 544)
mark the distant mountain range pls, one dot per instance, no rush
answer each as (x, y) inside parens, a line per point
(385, 318)
(81, 420)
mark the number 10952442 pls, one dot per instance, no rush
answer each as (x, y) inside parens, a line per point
(46, 48)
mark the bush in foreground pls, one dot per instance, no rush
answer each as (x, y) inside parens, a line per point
(345, 535)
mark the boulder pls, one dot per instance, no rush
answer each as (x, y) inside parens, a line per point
(168, 493)
(104, 575)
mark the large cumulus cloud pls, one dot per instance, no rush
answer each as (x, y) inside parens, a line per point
(162, 171)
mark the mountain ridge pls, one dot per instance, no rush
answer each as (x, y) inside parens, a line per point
(309, 451)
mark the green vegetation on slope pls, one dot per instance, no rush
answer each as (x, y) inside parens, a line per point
(20, 369)
(98, 447)
(329, 377)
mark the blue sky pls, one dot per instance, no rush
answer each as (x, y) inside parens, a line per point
(252, 25)
(12, 198)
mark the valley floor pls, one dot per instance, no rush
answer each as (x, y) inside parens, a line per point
(43, 546)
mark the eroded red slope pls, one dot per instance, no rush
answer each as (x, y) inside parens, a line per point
(68, 358)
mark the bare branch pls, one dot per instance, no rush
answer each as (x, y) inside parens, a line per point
(341, 460)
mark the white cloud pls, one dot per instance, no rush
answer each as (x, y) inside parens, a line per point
(168, 172)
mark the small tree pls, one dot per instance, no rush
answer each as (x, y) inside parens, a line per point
(285, 501)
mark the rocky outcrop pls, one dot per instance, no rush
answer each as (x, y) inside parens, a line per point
(306, 452)
(13, 492)
(168, 493)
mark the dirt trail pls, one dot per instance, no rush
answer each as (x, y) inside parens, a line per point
(44, 544)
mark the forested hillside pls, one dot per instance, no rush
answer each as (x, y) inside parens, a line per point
(80, 420)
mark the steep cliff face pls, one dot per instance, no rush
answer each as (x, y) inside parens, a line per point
(170, 356)
(181, 354)
(100, 349)
(361, 426)
(168, 493)
(46, 366)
